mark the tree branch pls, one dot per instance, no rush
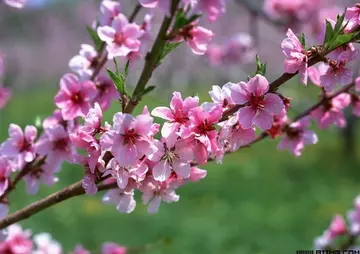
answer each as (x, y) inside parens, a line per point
(73, 190)
(151, 58)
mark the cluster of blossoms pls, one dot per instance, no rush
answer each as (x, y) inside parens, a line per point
(19, 241)
(129, 153)
(340, 229)
(301, 14)
(133, 153)
(239, 49)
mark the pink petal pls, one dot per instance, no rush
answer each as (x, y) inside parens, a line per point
(263, 120)
(106, 33)
(161, 171)
(163, 112)
(258, 85)
(246, 117)
(182, 169)
(273, 104)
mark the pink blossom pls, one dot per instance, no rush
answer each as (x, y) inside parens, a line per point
(57, 119)
(213, 8)
(292, 12)
(17, 242)
(106, 92)
(332, 112)
(215, 53)
(5, 96)
(124, 201)
(319, 23)
(123, 174)
(354, 217)
(113, 248)
(197, 37)
(89, 183)
(93, 120)
(164, 5)
(353, 16)
(16, 3)
(56, 145)
(74, 96)
(154, 193)
(177, 115)
(196, 174)
(260, 106)
(109, 10)
(121, 37)
(173, 155)
(129, 138)
(323, 241)
(46, 245)
(146, 27)
(296, 58)
(336, 74)
(79, 249)
(222, 95)
(239, 49)
(85, 62)
(232, 136)
(44, 173)
(297, 136)
(20, 145)
(5, 171)
(337, 226)
(202, 131)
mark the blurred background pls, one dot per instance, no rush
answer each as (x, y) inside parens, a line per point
(258, 201)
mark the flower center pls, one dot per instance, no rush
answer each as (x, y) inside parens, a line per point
(257, 102)
(77, 98)
(293, 133)
(119, 39)
(170, 156)
(205, 127)
(185, 32)
(130, 137)
(61, 144)
(25, 146)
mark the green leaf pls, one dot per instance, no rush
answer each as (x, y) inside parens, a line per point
(329, 33)
(95, 37)
(339, 22)
(146, 91)
(168, 48)
(302, 39)
(119, 81)
(260, 67)
(341, 40)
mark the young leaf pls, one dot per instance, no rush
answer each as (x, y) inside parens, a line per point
(260, 67)
(147, 90)
(329, 33)
(168, 48)
(339, 22)
(95, 37)
(341, 40)
(119, 81)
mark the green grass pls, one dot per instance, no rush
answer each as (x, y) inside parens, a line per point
(258, 201)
